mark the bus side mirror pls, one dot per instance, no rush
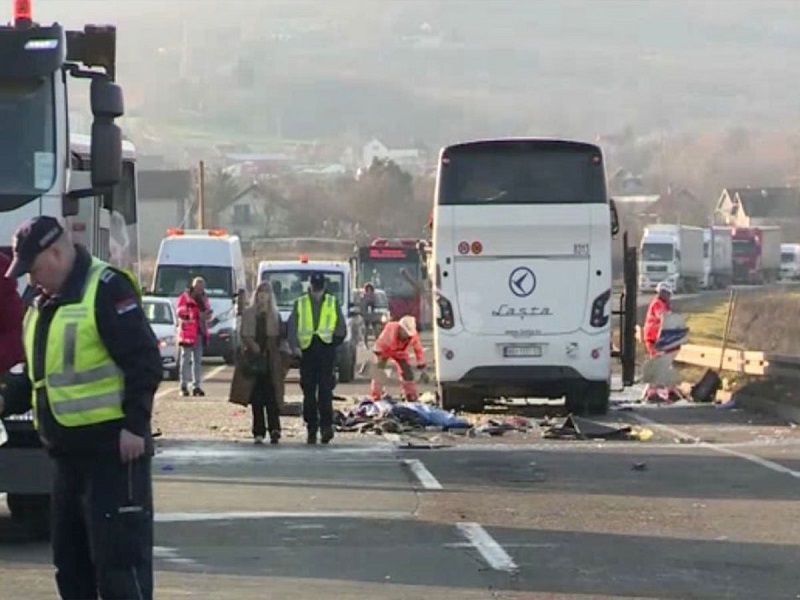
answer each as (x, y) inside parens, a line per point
(614, 217)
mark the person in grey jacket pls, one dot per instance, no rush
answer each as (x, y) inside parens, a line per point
(316, 327)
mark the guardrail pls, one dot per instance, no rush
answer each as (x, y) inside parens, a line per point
(745, 362)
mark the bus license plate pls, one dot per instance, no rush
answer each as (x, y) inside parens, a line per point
(527, 351)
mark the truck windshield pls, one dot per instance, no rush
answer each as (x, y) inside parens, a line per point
(173, 280)
(662, 252)
(27, 140)
(388, 275)
(743, 247)
(289, 285)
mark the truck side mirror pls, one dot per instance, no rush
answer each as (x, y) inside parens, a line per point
(106, 155)
(106, 99)
(107, 105)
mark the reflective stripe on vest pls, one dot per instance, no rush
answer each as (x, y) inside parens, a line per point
(305, 317)
(84, 386)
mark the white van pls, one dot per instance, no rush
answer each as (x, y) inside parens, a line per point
(790, 262)
(215, 256)
(289, 281)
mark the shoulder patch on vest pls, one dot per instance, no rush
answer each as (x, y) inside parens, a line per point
(126, 305)
(107, 275)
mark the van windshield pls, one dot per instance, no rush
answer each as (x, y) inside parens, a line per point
(173, 280)
(289, 285)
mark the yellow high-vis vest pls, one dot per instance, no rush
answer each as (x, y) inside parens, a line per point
(84, 385)
(306, 329)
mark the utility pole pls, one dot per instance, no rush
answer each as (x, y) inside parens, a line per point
(201, 196)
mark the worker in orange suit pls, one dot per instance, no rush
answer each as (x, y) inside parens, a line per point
(653, 320)
(655, 315)
(392, 344)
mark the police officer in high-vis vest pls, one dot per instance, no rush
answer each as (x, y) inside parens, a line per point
(316, 327)
(93, 367)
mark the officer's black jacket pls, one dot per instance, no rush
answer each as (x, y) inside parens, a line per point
(130, 341)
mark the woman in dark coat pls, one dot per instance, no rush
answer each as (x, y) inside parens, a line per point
(261, 335)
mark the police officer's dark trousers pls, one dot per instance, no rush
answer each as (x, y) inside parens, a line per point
(103, 529)
(317, 381)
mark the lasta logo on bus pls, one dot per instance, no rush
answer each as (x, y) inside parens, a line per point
(504, 310)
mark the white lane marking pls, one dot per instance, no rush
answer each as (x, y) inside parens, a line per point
(212, 373)
(425, 477)
(763, 462)
(487, 547)
(184, 517)
(462, 545)
(216, 454)
(171, 555)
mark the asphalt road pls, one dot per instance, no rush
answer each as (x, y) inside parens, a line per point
(707, 508)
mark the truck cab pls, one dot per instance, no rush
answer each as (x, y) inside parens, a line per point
(756, 255)
(790, 262)
(672, 253)
(290, 280)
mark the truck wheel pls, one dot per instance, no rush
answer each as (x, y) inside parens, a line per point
(347, 368)
(32, 511)
(460, 399)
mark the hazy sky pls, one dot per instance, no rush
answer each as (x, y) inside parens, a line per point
(597, 63)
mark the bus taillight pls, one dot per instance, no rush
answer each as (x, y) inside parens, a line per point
(599, 317)
(446, 319)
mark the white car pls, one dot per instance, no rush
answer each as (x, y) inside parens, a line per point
(161, 314)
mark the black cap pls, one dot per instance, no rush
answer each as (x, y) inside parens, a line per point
(317, 281)
(32, 238)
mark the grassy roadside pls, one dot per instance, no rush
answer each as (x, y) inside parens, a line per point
(768, 321)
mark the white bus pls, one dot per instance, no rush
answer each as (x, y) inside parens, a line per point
(522, 262)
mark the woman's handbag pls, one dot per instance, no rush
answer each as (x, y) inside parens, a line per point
(252, 363)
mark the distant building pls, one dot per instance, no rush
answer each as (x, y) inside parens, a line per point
(751, 207)
(624, 183)
(255, 212)
(165, 201)
(407, 158)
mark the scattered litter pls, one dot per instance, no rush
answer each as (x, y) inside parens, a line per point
(387, 416)
(585, 429)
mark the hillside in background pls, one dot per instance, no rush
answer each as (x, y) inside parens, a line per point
(435, 71)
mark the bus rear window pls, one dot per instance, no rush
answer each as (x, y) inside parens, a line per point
(522, 173)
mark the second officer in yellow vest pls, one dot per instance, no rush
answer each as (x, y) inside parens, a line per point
(316, 327)
(93, 367)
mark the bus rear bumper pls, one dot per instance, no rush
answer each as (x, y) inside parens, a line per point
(518, 381)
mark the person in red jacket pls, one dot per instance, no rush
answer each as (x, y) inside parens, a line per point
(655, 315)
(12, 311)
(194, 313)
(392, 344)
(653, 320)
